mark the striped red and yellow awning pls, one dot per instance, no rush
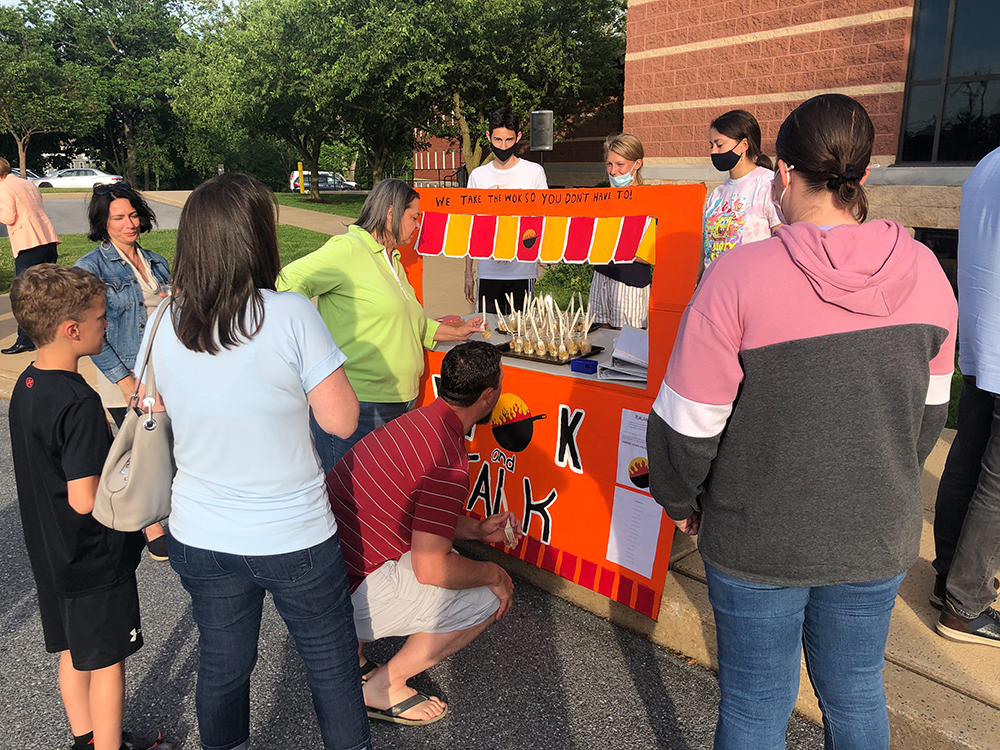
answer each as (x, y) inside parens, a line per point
(574, 239)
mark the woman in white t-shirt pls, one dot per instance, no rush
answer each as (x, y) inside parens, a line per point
(239, 365)
(738, 211)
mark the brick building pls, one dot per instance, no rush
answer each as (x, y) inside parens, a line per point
(927, 71)
(438, 164)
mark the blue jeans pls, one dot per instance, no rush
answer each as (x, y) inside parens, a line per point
(967, 512)
(761, 630)
(373, 415)
(310, 592)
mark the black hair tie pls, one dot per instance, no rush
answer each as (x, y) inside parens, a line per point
(850, 174)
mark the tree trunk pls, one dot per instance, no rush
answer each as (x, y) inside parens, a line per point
(313, 162)
(129, 153)
(145, 177)
(472, 146)
(22, 154)
(314, 180)
(378, 165)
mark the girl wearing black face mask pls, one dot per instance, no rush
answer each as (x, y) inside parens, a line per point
(740, 210)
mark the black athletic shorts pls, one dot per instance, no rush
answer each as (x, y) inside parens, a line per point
(99, 629)
(498, 289)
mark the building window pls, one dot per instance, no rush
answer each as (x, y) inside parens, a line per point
(952, 108)
(944, 244)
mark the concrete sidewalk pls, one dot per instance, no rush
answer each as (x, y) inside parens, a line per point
(317, 221)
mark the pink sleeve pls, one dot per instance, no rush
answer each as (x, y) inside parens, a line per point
(8, 211)
(704, 373)
(943, 365)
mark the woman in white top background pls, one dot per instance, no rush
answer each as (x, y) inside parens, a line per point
(738, 211)
(239, 365)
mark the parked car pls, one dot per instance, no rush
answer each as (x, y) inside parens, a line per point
(347, 184)
(31, 175)
(77, 178)
(328, 182)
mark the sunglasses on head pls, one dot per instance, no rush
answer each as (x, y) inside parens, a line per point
(105, 189)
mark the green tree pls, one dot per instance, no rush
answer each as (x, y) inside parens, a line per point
(126, 45)
(243, 73)
(561, 55)
(39, 93)
(380, 60)
(340, 156)
(377, 72)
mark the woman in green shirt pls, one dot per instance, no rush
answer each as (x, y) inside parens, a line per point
(372, 311)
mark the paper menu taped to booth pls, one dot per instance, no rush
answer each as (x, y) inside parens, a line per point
(635, 528)
(633, 462)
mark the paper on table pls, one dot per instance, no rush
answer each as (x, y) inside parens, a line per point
(618, 370)
(635, 529)
(630, 357)
(632, 346)
(633, 461)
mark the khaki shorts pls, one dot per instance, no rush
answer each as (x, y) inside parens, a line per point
(392, 602)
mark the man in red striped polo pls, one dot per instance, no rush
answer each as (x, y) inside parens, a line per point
(399, 499)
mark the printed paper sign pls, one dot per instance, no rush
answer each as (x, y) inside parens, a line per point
(635, 527)
(633, 463)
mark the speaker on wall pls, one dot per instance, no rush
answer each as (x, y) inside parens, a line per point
(541, 130)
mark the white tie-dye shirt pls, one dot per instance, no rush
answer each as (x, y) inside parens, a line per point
(738, 212)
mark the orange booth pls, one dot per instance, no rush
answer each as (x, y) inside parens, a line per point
(576, 473)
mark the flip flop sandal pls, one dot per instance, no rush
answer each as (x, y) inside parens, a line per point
(392, 714)
(367, 669)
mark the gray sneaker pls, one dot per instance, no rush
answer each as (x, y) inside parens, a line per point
(984, 630)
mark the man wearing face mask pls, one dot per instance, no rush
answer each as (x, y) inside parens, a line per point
(498, 278)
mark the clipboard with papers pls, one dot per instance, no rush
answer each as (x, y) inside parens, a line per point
(629, 358)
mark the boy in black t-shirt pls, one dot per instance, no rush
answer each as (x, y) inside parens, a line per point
(84, 572)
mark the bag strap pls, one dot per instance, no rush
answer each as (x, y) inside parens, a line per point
(147, 361)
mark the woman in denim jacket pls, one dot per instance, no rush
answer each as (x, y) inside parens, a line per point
(135, 279)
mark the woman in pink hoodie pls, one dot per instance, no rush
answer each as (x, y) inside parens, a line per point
(809, 380)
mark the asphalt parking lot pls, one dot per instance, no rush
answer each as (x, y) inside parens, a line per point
(549, 676)
(69, 215)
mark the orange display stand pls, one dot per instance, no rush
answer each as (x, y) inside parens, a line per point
(586, 517)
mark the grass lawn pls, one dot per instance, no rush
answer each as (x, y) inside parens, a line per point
(293, 243)
(82, 191)
(341, 204)
(565, 280)
(956, 391)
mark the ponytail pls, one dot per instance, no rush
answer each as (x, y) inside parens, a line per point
(829, 139)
